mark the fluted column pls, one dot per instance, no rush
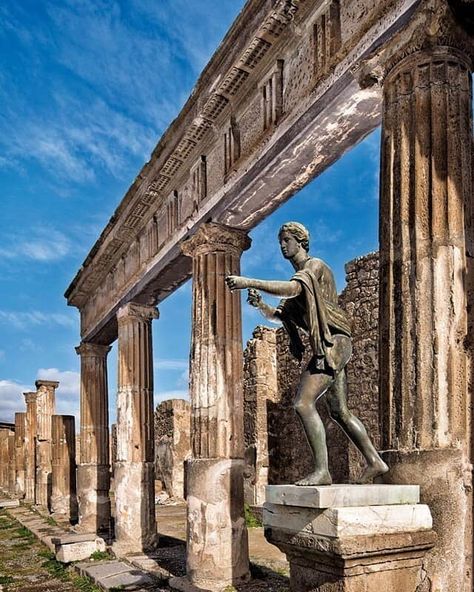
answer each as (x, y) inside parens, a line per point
(426, 295)
(11, 463)
(63, 495)
(20, 453)
(217, 551)
(30, 447)
(93, 474)
(135, 522)
(4, 432)
(45, 408)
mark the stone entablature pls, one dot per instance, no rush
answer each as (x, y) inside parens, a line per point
(282, 81)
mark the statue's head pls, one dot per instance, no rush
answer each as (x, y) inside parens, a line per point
(298, 231)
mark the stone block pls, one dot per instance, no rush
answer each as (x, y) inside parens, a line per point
(341, 496)
(9, 503)
(76, 547)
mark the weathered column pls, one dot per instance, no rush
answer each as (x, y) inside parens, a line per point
(45, 408)
(4, 432)
(30, 447)
(20, 453)
(11, 463)
(217, 550)
(135, 522)
(63, 494)
(426, 298)
(93, 474)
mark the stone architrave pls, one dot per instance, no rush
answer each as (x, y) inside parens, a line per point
(217, 550)
(45, 408)
(135, 521)
(63, 494)
(11, 463)
(93, 473)
(20, 453)
(30, 447)
(427, 293)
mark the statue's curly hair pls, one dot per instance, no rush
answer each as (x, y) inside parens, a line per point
(300, 233)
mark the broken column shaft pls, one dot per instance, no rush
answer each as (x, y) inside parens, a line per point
(45, 408)
(63, 493)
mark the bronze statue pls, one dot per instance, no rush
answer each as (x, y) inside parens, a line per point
(310, 303)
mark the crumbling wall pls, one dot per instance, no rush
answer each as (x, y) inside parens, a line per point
(172, 444)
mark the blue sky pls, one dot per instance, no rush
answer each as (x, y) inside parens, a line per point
(87, 87)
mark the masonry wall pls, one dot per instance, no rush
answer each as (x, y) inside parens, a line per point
(273, 433)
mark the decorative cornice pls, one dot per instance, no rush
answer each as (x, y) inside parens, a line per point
(48, 384)
(145, 193)
(92, 350)
(212, 237)
(133, 312)
(30, 397)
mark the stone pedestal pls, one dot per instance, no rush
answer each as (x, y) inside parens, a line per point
(350, 538)
(63, 495)
(45, 408)
(20, 453)
(427, 292)
(217, 553)
(135, 522)
(93, 473)
(30, 447)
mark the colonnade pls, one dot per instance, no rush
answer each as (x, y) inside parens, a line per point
(38, 456)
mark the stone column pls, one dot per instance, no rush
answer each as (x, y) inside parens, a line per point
(30, 447)
(63, 494)
(135, 522)
(217, 551)
(93, 473)
(45, 408)
(20, 453)
(11, 463)
(426, 293)
(4, 432)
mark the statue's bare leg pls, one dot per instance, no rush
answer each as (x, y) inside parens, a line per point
(312, 386)
(336, 400)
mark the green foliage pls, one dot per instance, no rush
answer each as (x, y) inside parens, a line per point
(56, 569)
(51, 521)
(6, 580)
(250, 519)
(100, 556)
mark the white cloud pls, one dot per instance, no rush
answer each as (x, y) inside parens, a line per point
(173, 394)
(24, 320)
(69, 381)
(171, 364)
(11, 398)
(39, 245)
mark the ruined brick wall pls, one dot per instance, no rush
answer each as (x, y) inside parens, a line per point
(282, 442)
(172, 444)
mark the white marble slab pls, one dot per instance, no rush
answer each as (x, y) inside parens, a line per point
(349, 521)
(342, 496)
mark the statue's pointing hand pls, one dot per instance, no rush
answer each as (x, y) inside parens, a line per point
(254, 297)
(236, 282)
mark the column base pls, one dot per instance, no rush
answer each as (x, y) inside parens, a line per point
(349, 548)
(135, 520)
(93, 484)
(217, 541)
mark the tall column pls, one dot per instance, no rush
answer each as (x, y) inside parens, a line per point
(20, 453)
(217, 549)
(45, 408)
(135, 522)
(426, 293)
(63, 494)
(30, 447)
(93, 474)
(11, 463)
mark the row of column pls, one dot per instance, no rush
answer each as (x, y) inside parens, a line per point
(426, 295)
(37, 456)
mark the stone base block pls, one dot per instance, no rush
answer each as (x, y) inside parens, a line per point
(77, 547)
(217, 549)
(135, 521)
(350, 549)
(93, 482)
(9, 503)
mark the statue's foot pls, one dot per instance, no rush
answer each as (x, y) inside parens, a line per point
(316, 478)
(374, 470)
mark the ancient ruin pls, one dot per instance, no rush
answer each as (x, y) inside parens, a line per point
(293, 85)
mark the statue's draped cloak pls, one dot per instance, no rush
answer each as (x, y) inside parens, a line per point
(317, 312)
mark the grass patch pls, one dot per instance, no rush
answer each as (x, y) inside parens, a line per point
(100, 556)
(56, 569)
(51, 521)
(6, 580)
(250, 519)
(84, 584)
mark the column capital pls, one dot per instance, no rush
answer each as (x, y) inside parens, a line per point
(48, 384)
(212, 237)
(135, 311)
(30, 397)
(92, 350)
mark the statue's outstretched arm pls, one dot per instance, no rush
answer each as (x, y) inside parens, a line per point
(284, 289)
(255, 299)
